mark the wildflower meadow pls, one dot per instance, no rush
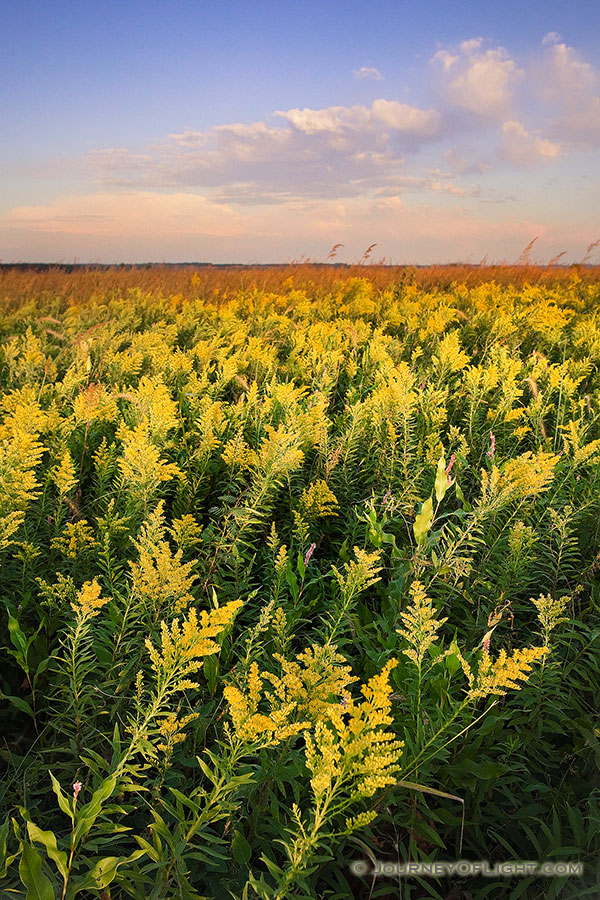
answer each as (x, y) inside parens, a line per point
(298, 569)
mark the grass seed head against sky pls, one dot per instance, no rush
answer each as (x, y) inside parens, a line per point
(263, 132)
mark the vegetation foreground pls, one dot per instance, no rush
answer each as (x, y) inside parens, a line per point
(297, 578)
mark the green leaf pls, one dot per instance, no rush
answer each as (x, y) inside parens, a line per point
(90, 812)
(423, 521)
(63, 802)
(18, 703)
(145, 845)
(441, 479)
(452, 660)
(48, 839)
(461, 497)
(18, 638)
(6, 859)
(104, 872)
(211, 673)
(240, 848)
(39, 886)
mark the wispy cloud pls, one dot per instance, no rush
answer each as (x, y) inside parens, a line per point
(553, 37)
(127, 213)
(367, 72)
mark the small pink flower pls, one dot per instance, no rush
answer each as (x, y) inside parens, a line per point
(492, 449)
(450, 464)
(309, 553)
(76, 788)
(486, 645)
(386, 498)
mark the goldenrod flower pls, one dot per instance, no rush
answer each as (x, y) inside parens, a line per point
(186, 642)
(496, 676)
(420, 624)
(550, 612)
(88, 602)
(317, 501)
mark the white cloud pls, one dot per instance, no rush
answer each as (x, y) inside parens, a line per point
(553, 37)
(387, 113)
(477, 80)
(408, 119)
(367, 72)
(334, 151)
(568, 88)
(523, 147)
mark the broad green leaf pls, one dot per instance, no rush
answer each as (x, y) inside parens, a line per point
(39, 886)
(6, 859)
(240, 849)
(104, 872)
(17, 637)
(423, 521)
(18, 703)
(441, 479)
(48, 839)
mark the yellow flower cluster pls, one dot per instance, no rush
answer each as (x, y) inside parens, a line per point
(237, 454)
(95, 403)
(308, 689)
(312, 682)
(64, 475)
(186, 642)
(317, 501)
(155, 408)
(76, 538)
(88, 602)
(279, 453)
(449, 356)
(588, 453)
(550, 612)
(186, 531)
(171, 731)
(525, 476)
(359, 574)
(394, 397)
(141, 467)
(349, 750)
(420, 624)
(529, 474)
(250, 725)
(496, 676)
(20, 453)
(160, 579)
(521, 538)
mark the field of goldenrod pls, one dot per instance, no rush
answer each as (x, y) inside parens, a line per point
(298, 570)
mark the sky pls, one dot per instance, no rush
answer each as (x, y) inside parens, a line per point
(255, 132)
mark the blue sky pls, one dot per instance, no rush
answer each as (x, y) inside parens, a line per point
(268, 131)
